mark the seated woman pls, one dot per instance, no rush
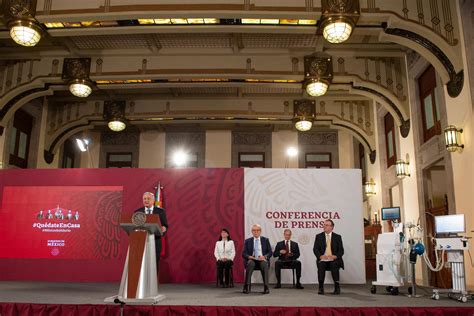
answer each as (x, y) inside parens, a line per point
(224, 253)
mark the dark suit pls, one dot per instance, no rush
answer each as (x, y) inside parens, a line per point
(250, 265)
(161, 213)
(285, 261)
(337, 250)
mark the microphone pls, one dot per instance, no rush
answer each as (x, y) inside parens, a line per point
(122, 304)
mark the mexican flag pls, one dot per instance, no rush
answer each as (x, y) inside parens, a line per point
(159, 203)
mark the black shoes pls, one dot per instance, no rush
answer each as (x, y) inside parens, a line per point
(247, 291)
(266, 290)
(337, 289)
(298, 286)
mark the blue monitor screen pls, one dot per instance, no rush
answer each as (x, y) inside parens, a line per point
(390, 213)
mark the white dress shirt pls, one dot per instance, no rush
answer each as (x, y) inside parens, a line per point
(224, 249)
(148, 210)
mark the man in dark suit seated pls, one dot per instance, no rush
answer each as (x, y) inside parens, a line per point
(287, 252)
(328, 250)
(150, 208)
(257, 253)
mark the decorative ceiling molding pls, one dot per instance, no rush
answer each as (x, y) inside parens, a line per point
(244, 138)
(49, 153)
(318, 138)
(362, 138)
(404, 124)
(114, 138)
(7, 111)
(456, 81)
(371, 63)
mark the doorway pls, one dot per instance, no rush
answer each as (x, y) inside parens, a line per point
(436, 204)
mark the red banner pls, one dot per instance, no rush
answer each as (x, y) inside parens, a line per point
(63, 222)
(199, 203)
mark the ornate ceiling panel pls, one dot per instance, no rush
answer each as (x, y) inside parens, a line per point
(206, 91)
(236, 56)
(256, 90)
(202, 40)
(279, 40)
(112, 42)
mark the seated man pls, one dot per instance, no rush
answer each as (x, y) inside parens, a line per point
(257, 253)
(287, 252)
(328, 250)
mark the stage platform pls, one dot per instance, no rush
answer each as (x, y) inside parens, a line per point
(206, 299)
(209, 295)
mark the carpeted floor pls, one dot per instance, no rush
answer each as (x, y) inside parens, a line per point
(206, 294)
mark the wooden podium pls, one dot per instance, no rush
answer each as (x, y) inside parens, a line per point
(139, 283)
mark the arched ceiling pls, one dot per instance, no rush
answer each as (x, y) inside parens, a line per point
(239, 63)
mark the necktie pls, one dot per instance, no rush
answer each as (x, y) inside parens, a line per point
(224, 250)
(328, 245)
(286, 248)
(148, 211)
(256, 247)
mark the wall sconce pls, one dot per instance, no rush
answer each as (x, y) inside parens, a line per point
(114, 114)
(338, 19)
(317, 74)
(370, 188)
(304, 113)
(76, 72)
(82, 144)
(376, 218)
(402, 168)
(452, 137)
(24, 29)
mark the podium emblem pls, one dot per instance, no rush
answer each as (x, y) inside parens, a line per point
(139, 219)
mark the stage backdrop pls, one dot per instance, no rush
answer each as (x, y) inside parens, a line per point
(301, 199)
(90, 246)
(87, 244)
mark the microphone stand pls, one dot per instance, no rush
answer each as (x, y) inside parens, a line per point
(122, 304)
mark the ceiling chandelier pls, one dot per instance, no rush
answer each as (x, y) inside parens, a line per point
(304, 113)
(338, 19)
(25, 33)
(117, 125)
(114, 115)
(317, 74)
(24, 29)
(76, 73)
(80, 88)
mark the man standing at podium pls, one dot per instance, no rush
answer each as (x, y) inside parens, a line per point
(150, 208)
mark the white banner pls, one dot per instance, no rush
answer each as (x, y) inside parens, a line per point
(301, 199)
